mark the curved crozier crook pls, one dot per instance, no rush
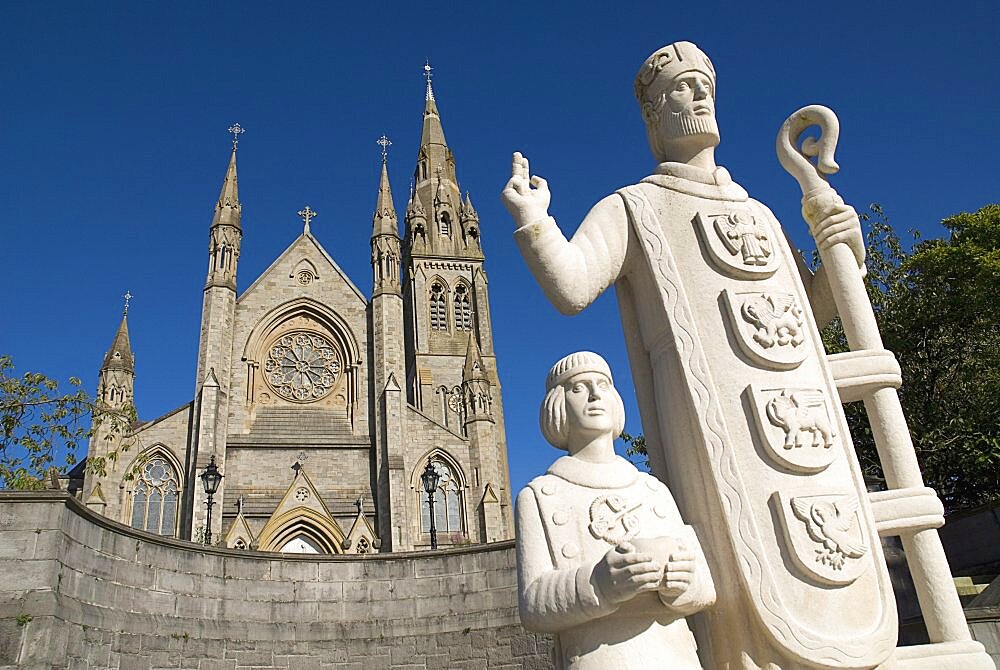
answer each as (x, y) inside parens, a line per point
(795, 161)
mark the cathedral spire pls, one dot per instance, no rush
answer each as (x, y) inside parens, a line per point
(432, 132)
(116, 380)
(386, 252)
(119, 356)
(225, 233)
(384, 221)
(473, 370)
(476, 393)
(228, 208)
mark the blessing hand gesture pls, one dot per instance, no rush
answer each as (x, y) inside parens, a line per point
(526, 197)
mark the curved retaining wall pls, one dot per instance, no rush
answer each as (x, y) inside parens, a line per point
(78, 591)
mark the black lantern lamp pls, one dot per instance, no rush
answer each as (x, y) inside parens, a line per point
(210, 479)
(430, 479)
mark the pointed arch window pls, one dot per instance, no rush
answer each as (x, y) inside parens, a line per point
(447, 501)
(445, 223)
(463, 308)
(154, 498)
(439, 307)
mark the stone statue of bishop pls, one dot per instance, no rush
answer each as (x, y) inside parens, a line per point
(741, 416)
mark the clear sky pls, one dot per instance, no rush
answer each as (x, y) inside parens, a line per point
(113, 146)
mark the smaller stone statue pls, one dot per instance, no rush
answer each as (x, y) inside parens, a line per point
(603, 557)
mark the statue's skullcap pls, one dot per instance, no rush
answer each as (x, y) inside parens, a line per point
(670, 61)
(574, 364)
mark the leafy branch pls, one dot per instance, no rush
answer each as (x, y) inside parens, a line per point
(39, 422)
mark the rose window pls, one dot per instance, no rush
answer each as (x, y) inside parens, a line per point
(302, 366)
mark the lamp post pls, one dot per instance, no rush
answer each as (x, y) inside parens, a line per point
(430, 479)
(210, 479)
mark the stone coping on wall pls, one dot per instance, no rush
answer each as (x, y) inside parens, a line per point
(78, 590)
(49, 496)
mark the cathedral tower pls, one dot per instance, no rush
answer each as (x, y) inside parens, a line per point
(388, 359)
(446, 303)
(115, 390)
(213, 376)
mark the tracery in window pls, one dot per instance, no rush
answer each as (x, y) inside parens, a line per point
(463, 308)
(439, 308)
(302, 366)
(447, 501)
(154, 498)
(364, 547)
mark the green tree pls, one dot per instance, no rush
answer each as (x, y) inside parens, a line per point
(938, 310)
(38, 422)
(635, 449)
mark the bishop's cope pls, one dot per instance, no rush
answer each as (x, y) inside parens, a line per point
(741, 416)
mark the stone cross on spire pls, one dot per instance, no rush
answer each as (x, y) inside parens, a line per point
(128, 296)
(427, 76)
(385, 143)
(307, 215)
(236, 129)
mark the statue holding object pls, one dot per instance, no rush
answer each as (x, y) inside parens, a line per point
(740, 404)
(604, 560)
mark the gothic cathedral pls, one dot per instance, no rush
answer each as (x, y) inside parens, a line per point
(322, 406)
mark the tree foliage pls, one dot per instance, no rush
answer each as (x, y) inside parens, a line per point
(938, 311)
(635, 449)
(38, 423)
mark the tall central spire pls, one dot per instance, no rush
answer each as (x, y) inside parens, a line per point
(432, 133)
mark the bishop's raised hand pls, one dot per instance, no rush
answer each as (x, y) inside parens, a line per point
(525, 197)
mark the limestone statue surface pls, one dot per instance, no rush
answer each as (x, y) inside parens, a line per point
(604, 559)
(741, 406)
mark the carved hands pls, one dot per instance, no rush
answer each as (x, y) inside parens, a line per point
(832, 222)
(526, 197)
(624, 572)
(678, 573)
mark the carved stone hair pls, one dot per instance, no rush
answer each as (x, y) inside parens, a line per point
(552, 416)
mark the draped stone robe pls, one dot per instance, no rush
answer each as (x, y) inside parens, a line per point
(741, 416)
(557, 552)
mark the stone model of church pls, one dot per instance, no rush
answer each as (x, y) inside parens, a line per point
(322, 405)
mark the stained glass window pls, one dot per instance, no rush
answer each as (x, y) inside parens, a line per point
(447, 502)
(302, 366)
(154, 498)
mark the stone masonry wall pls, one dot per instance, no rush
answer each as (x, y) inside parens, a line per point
(78, 591)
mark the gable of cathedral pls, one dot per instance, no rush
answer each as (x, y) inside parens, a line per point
(304, 372)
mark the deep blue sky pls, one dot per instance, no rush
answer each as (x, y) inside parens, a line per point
(113, 146)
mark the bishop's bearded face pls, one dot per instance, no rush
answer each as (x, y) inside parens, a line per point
(684, 112)
(690, 107)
